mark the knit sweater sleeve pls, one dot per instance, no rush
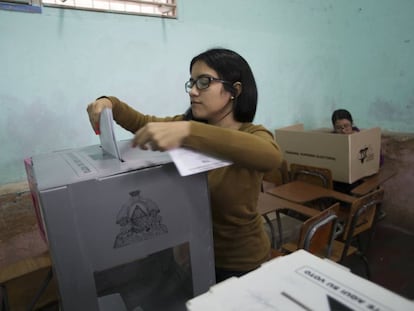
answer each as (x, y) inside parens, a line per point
(252, 146)
(131, 119)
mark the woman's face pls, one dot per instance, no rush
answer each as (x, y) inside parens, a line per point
(212, 103)
(343, 126)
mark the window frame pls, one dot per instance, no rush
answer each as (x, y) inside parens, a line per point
(29, 6)
(160, 8)
(154, 8)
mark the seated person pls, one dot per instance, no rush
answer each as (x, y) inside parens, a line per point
(343, 123)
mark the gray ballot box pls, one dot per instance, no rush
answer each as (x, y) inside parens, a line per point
(123, 235)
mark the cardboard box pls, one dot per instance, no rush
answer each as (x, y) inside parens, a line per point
(296, 282)
(349, 157)
(130, 232)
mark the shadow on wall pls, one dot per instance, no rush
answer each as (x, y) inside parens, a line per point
(398, 150)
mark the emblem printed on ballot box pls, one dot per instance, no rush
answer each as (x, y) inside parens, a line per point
(139, 219)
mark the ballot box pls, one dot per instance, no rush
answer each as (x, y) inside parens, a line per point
(128, 234)
(296, 282)
(349, 157)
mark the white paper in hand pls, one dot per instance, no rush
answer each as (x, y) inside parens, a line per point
(187, 161)
(190, 162)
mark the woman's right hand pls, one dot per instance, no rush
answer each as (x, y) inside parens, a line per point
(94, 111)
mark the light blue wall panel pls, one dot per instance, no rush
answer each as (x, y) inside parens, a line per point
(309, 57)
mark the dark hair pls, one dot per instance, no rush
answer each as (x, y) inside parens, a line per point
(232, 67)
(341, 114)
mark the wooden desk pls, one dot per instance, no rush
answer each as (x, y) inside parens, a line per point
(268, 203)
(302, 192)
(373, 182)
(24, 258)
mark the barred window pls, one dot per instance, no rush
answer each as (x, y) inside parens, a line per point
(160, 8)
(30, 6)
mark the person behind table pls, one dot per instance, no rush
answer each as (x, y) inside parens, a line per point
(342, 122)
(223, 101)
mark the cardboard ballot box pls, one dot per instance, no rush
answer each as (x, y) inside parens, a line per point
(349, 157)
(123, 235)
(296, 282)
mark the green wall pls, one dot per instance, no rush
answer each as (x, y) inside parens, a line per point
(309, 57)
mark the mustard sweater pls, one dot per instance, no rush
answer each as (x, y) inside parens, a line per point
(240, 241)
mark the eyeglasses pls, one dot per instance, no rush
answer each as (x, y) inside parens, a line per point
(202, 83)
(341, 127)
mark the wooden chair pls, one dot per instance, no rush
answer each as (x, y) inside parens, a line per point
(312, 174)
(269, 205)
(316, 233)
(360, 219)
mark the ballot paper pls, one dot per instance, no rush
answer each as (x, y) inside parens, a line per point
(107, 134)
(299, 281)
(190, 162)
(187, 161)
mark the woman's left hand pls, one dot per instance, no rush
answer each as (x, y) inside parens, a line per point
(161, 136)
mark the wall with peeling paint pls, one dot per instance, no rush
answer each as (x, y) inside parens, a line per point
(309, 58)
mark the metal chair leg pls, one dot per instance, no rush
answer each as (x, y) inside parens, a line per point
(41, 290)
(272, 230)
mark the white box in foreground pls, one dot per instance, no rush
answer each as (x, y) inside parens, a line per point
(299, 281)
